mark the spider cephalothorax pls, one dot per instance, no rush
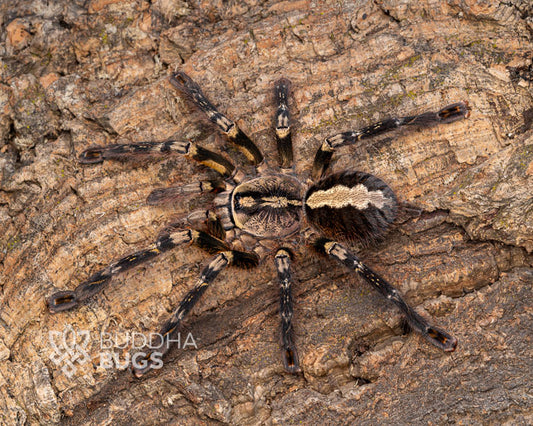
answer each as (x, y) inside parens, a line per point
(346, 206)
(269, 206)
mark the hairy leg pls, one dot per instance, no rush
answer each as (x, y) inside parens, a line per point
(290, 355)
(171, 327)
(283, 124)
(434, 335)
(191, 90)
(448, 114)
(68, 299)
(97, 154)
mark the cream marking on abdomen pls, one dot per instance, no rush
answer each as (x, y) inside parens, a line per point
(340, 196)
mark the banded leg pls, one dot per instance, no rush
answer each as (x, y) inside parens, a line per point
(214, 226)
(290, 355)
(189, 88)
(161, 345)
(68, 299)
(283, 124)
(97, 154)
(434, 335)
(448, 114)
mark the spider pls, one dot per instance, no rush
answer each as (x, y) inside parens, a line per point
(270, 207)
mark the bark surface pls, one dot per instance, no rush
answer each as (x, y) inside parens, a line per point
(80, 73)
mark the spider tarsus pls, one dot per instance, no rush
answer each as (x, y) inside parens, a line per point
(454, 112)
(93, 155)
(290, 361)
(441, 339)
(283, 85)
(61, 301)
(183, 83)
(142, 366)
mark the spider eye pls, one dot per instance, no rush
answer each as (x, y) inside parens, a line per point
(351, 205)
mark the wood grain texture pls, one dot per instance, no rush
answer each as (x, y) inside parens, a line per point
(77, 73)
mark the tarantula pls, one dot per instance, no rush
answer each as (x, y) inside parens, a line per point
(269, 206)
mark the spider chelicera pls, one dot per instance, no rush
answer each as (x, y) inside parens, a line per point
(272, 207)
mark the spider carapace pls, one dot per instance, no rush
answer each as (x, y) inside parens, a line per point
(256, 212)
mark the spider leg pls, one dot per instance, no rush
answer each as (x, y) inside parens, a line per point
(214, 226)
(448, 114)
(173, 193)
(434, 335)
(283, 124)
(190, 88)
(171, 327)
(290, 355)
(169, 239)
(97, 154)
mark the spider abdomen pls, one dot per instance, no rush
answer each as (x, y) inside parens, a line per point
(268, 206)
(351, 205)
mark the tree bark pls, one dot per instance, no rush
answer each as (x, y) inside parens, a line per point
(80, 73)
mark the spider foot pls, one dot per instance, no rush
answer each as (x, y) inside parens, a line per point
(290, 360)
(62, 301)
(92, 155)
(454, 112)
(149, 361)
(440, 339)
